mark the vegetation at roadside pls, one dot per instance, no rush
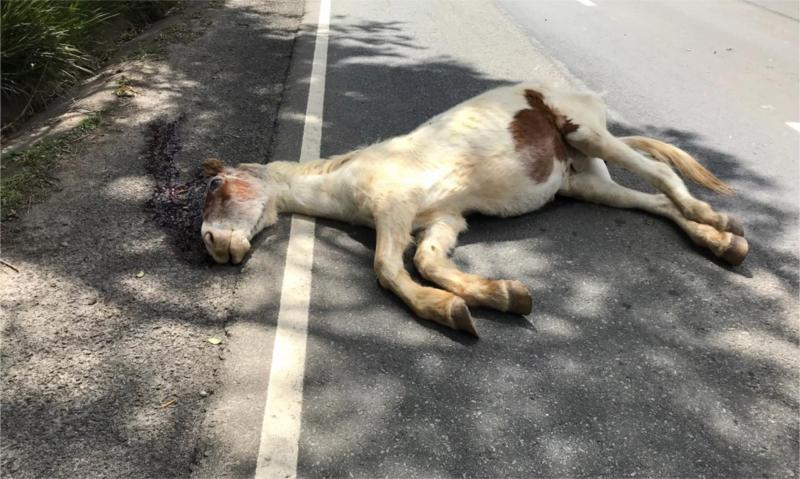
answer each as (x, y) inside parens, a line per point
(47, 45)
(26, 175)
(185, 32)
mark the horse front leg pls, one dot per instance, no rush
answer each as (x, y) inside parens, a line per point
(447, 309)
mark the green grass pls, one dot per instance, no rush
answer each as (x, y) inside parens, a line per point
(48, 45)
(26, 176)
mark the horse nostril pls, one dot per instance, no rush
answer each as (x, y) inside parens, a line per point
(209, 237)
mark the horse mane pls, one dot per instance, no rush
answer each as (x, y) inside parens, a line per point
(328, 165)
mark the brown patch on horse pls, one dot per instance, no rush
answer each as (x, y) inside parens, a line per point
(232, 188)
(561, 122)
(538, 134)
(566, 125)
(534, 137)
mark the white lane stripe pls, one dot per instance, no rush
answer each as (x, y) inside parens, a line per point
(280, 427)
(588, 3)
(794, 125)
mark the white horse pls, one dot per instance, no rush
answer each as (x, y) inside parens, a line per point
(505, 152)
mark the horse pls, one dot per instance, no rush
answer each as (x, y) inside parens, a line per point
(505, 152)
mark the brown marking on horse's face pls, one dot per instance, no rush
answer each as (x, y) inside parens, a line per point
(233, 210)
(538, 136)
(223, 190)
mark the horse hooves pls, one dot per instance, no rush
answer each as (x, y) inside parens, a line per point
(735, 226)
(461, 317)
(736, 251)
(519, 299)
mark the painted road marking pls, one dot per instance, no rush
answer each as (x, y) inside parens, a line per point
(588, 3)
(280, 428)
(794, 125)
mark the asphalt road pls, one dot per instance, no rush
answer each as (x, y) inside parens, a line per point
(643, 356)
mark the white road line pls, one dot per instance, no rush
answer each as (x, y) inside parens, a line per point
(280, 428)
(794, 125)
(588, 3)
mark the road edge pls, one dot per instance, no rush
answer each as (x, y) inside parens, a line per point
(232, 428)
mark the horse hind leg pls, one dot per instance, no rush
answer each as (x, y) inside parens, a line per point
(584, 128)
(674, 157)
(594, 184)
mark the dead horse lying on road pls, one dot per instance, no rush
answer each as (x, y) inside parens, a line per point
(505, 152)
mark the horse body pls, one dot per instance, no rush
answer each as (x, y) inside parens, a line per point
(506, 152)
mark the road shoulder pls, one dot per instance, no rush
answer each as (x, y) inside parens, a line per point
(106, 365)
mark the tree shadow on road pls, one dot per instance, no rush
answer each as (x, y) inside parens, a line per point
(642, 355)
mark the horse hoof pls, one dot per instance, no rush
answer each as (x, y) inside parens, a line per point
(736, 251)
(735, 226)
(519, 299)
(461, 318)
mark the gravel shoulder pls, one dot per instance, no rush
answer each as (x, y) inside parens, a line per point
(106, 365)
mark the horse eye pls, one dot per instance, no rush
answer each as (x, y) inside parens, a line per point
(215, 183)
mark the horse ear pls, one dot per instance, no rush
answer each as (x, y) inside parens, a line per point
(213, 167)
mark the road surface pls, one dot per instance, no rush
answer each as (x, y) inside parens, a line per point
(643, 356)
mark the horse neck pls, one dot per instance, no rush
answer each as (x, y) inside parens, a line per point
(311, 188)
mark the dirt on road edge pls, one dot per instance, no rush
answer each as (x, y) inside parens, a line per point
(107, 367)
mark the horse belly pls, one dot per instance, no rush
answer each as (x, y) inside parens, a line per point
(520, 195)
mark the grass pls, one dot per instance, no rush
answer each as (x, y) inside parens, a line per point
(25, 176)
(184, 32)
(48, 45)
